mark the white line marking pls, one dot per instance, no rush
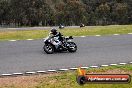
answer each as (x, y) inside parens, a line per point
(130, 33)
(51, 70)
(116, 34)
(84, 67)
(104, 65)
(73, 68)
(83, 36)
(12, 40)
(97, 35)
(122, 63)
(63, 69)
(30, 72)
(130, 62)
(41, 71)
(17, 73)
(6, 74)
(113, 64)
(94, 66)
(29, 39)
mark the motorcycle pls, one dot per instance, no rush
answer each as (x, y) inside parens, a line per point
(52, 45)
(82, 25)
(61, 27)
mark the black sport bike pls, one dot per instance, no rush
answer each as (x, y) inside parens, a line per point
(52, 45)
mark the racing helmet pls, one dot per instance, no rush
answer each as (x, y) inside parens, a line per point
(54, 31)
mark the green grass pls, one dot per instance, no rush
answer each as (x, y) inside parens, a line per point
(66, 79)
(86, 31)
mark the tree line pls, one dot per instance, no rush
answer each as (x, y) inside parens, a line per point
(66, 12)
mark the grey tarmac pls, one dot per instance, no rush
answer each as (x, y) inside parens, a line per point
(22, 56)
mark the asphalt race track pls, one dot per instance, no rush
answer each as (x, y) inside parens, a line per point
(22, 56)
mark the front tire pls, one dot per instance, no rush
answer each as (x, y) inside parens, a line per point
(48, 48)
(72, 47)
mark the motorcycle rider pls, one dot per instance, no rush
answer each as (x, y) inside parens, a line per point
(58, 37)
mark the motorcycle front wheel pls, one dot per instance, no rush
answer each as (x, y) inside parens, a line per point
(48, 48)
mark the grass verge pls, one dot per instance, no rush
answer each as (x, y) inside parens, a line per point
(65, 80)
(86, 31)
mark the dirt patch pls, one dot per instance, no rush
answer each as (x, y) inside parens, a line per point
(24, 81)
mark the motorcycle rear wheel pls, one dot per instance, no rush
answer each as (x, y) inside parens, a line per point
(72, 47)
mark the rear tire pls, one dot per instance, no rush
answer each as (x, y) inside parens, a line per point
(48, 48)
(72, 47)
